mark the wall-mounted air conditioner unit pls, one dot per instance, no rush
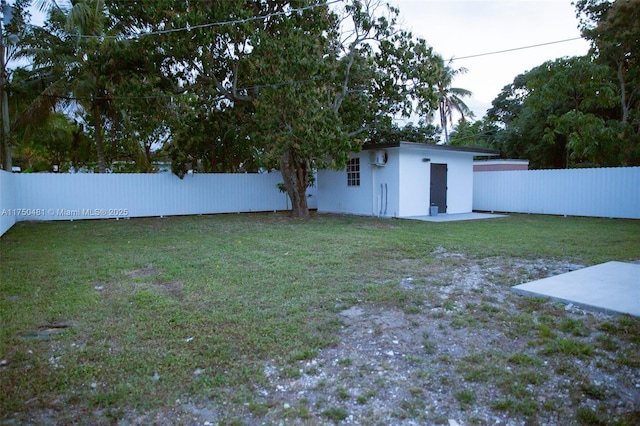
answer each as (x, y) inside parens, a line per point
(379, 157)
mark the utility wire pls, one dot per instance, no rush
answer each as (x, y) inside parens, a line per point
(515, 48)
(286, 83)
(213, 24)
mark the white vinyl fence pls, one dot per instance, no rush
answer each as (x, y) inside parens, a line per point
(7, 201)
(601, 192)
(605, 192)
(52, 196)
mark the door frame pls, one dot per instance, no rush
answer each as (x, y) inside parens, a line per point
(438, 187)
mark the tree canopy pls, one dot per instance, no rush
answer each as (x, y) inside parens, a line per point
(579, 111)
(294, 86)
(225, 85)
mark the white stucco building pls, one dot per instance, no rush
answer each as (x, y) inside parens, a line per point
(401, 180)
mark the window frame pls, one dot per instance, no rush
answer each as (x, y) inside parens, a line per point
(353, 172)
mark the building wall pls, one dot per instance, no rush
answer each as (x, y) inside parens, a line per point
(414, 180)
(377, 195)
(334, 196)
(400, 188)
(385, 185)
(459, 181)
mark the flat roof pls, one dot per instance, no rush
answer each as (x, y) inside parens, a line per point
(431, 147)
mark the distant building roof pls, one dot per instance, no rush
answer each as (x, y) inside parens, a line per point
(499, 165)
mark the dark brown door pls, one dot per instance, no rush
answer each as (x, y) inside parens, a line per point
(439, 186)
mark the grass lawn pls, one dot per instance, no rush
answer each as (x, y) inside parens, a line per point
(102, 319)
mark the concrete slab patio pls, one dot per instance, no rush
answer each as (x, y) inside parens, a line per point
(612, 287)
(444, 217)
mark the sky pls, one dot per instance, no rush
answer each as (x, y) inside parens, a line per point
(459, 28)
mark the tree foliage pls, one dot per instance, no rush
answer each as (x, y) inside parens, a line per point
(231, 85)
(478, 134)
(614, 31)
(387, 131)
(10, 35)
(289, 85)
(80, 65)
(242, 86)
(580, 111)
(561, 114)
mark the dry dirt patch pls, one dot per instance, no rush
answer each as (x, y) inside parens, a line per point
(147, 271)
(471, 354)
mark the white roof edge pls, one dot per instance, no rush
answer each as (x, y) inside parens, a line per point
(449, 148)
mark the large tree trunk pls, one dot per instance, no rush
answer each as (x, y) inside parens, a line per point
(6, 130)
(97, 123)
(623, 93)
(294, 172)
(5, 149)
(626, 103)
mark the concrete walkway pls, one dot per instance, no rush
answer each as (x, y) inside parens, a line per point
(444, 217)
(612, 287)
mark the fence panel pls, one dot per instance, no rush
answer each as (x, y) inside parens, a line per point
(99, 196)
(7, 201)
(601, 192)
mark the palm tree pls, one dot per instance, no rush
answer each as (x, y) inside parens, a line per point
(450, 98)
(87, 21)
(12, 27)
(38, 89)
(79, 48)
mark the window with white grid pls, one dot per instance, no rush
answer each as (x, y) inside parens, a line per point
(353, 172)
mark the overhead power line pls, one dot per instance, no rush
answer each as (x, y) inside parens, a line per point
(301, 9)
(294, 82)
(216, 24)
(515, 48)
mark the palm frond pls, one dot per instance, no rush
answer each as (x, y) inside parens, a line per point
(40, 108)
(48, 5)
